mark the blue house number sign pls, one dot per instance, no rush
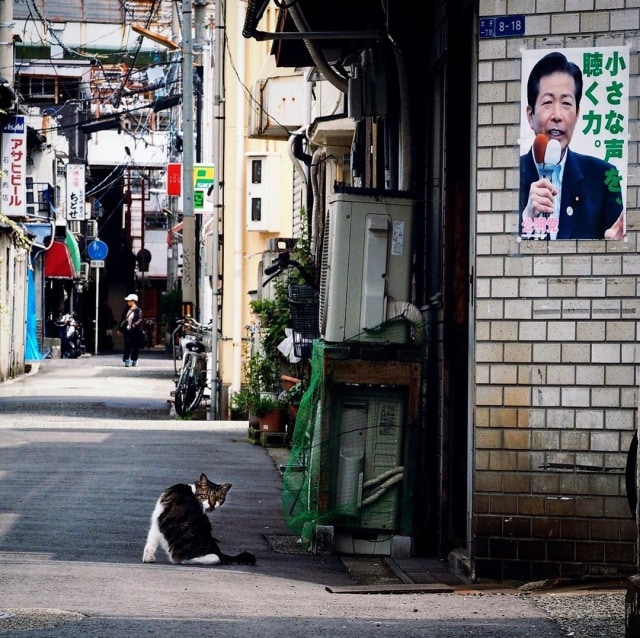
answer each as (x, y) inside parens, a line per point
(501, 27)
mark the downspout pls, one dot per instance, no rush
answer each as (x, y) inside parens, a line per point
(405, 171)
(298, 166)
(317, 212)
(239, 217)
(340, 82)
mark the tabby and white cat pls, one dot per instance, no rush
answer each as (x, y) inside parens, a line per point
(180, 525)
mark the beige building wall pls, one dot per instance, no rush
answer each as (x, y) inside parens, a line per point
(243, 247)
(556, 335)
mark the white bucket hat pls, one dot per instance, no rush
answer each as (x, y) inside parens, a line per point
(131, 298)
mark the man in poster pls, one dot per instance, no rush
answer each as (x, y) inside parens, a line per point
(564, 194)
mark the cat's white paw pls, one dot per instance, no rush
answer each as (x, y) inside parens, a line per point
(148, 556)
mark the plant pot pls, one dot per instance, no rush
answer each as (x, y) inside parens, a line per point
(288, 382)
(272, 421)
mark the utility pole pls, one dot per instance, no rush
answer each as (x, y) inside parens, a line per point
(189, 288)
(172, 214)
(6, 40)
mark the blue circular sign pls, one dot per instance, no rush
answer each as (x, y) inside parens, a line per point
(97, 249)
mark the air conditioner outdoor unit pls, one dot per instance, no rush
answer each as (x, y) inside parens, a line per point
(366, 264)
(74, 226)
(267, 292)
(92, 228)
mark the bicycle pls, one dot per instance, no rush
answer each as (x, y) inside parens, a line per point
(192, 379)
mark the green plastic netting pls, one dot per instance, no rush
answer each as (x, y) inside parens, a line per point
(298, 499)
(346, 467)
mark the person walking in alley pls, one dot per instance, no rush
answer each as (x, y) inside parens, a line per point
(131, 328)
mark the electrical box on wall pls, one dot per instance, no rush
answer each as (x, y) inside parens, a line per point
(263, 191)
(366, 263)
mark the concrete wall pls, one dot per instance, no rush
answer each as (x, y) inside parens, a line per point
(13, 305)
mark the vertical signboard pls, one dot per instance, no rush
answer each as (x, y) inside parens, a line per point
(75, 192)
(174, 179)
(14, 165)
(203, 182)
(574, 138)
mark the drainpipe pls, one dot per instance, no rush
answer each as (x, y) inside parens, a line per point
(239, 217)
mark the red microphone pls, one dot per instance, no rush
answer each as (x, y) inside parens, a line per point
(547, 154)
(539, 147)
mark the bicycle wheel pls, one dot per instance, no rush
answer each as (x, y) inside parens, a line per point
(199, 382)
(190, 386)
(184, 388)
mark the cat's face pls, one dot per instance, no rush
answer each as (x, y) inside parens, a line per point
(210, 495)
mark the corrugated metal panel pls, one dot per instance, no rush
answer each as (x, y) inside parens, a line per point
(109, 11)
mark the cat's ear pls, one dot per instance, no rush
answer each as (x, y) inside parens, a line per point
(203, 479)
(224, 488)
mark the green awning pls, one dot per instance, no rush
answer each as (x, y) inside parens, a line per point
(74, 251)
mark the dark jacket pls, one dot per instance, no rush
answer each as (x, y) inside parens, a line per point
(588, 207)
(136, 324)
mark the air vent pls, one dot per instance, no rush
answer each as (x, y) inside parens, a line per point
(92, 228)
(74, 226)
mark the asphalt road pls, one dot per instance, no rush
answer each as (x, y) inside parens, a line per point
(86, 447)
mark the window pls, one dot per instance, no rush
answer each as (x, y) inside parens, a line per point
(56, 89)
(256, 209)
(256, 171)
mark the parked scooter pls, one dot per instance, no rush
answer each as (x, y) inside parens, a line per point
(71, 337)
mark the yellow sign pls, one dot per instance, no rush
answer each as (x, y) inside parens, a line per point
(203, 176)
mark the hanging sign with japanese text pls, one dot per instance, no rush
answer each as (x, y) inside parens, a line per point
(14, 165)
(174, 179)
(75, 192)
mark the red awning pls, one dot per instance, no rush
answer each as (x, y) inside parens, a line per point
(57, 261)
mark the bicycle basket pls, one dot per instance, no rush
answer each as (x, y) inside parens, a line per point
(201, 335)
(304, 302)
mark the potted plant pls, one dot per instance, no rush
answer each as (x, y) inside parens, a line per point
(241, 402)
(264, 366)
(262, 373)
(292, 395)
(269, 411)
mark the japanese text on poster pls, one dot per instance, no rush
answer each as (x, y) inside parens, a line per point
(573, 143)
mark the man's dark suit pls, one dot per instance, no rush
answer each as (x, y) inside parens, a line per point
(584, 193)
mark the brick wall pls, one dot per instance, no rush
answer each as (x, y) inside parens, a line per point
(556, 330)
